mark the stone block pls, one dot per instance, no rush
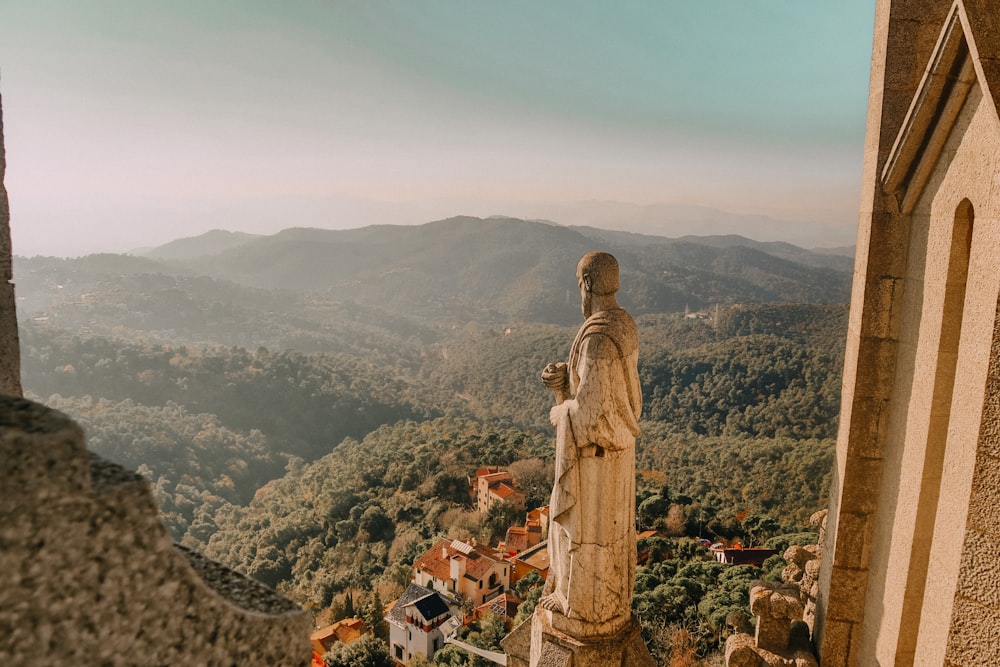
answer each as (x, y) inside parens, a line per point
(869, 425)
(888, 248)
(776, 607)
(876, 368)
(553, 655)
(517, 645)
(847, 595)
(885, 296)
(741, 652)
(903, 66)
(835, 649)
(863, 481)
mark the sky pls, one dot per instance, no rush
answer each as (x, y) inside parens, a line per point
(129, 123)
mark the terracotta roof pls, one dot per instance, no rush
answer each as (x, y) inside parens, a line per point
(504, 490)
(517, 538)
(437, 560)
(496, 477)
(537, 556)
(347, 630)
(537, 513)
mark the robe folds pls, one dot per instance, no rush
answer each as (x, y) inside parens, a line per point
(592, 509)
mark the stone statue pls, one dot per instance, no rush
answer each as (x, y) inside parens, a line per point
(592, 549)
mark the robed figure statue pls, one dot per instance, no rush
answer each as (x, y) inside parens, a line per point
(592, 549)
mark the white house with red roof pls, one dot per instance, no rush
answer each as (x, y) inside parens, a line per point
(454, 568)
(419, 621)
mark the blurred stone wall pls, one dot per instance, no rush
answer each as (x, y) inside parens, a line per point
(90, 576)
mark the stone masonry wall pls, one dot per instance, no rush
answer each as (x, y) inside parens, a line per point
(89, 575)
(905, 35)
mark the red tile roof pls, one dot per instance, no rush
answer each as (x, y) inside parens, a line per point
(346, 630)
(437, 560)
(504, 491)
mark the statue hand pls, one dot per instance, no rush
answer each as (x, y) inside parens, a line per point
(556, 376)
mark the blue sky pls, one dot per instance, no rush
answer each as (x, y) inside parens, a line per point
(131, 123)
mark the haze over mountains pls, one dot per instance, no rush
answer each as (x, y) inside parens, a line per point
(494, 270)
(164, 219)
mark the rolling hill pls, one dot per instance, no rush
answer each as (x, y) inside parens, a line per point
(504, 269)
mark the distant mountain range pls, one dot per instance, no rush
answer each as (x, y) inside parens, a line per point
(192, 247)
(520, 269)
(491, 270)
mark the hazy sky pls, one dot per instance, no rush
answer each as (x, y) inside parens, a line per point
(130, 123)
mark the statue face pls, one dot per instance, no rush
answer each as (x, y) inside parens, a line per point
(586, 297)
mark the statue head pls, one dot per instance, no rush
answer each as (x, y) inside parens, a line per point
(597, 274)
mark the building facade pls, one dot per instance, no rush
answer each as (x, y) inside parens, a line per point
(910, 572)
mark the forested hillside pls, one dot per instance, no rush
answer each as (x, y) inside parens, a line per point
(316, 430)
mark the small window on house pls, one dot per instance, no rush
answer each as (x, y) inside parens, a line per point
(398, 651)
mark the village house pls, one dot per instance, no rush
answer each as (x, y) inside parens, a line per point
(540, 515)
(505, 606)
(520, 538)
(494, 486)
(739, 556)
(535, 559)
(534, 530)
(346, 631)
(419, 621)
(455, 568)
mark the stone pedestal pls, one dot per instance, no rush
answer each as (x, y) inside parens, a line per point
(552, 648)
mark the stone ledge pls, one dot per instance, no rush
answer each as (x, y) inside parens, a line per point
(89, 575)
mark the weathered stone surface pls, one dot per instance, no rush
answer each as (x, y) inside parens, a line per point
(89, 576)
(517, 645)
(10, 349)
(786, 612)
(741, 651)
(586, 607)
(598, 401)
(775, 608)
(624, 649)
(974, 638)
(554, 655)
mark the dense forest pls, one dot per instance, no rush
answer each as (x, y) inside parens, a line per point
(319, 443)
